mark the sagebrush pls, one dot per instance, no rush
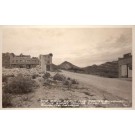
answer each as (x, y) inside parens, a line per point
(6, 100)
(19, 84)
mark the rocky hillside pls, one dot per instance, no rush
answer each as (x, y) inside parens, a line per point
(108, 69)
(68, 66)
(54, 67)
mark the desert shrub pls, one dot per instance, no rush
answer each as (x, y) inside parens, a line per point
(47, 82)
(46, 75)
(68, 78)
(6, 100)
(59, 70)
(66, 82)
(110, 76)
(5, 77)
(59, 77)
(35, 76)
(19, 85)
(74, 81)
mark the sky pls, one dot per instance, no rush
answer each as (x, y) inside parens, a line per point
(80, 46)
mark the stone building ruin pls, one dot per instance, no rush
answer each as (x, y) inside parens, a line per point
(125, 66)
(23, 61)
(46, 62)
(10, 60)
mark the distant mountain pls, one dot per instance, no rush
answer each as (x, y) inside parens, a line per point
(68, 66)
(54, 67)
(108, 69)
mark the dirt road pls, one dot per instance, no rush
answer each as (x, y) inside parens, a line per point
(114, 86)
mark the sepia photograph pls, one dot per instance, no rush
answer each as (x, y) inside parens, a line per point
(66, 67)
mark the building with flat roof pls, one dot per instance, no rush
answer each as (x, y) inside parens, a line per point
(10, 60)
(125, 66)
(23, 61)
(6, 60)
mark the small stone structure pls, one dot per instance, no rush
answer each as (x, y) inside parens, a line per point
(125, 66)
(46, 62)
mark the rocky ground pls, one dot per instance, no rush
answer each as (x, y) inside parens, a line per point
(86, 92)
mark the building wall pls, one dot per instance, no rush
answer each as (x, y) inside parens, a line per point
(24, 60)
(124, 71)
(6, 60)
(129, 72)
(125, 66)
(10, 60)
(21, 61)
(46, 62)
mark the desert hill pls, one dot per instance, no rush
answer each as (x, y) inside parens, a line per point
(68, 66)
(108, 69)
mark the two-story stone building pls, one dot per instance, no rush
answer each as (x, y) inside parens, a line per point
(23, 61)
(10, 60)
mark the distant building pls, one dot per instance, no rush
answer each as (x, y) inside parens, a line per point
(125, 66)
(10, 60)
(46, 62)
(6, 60)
